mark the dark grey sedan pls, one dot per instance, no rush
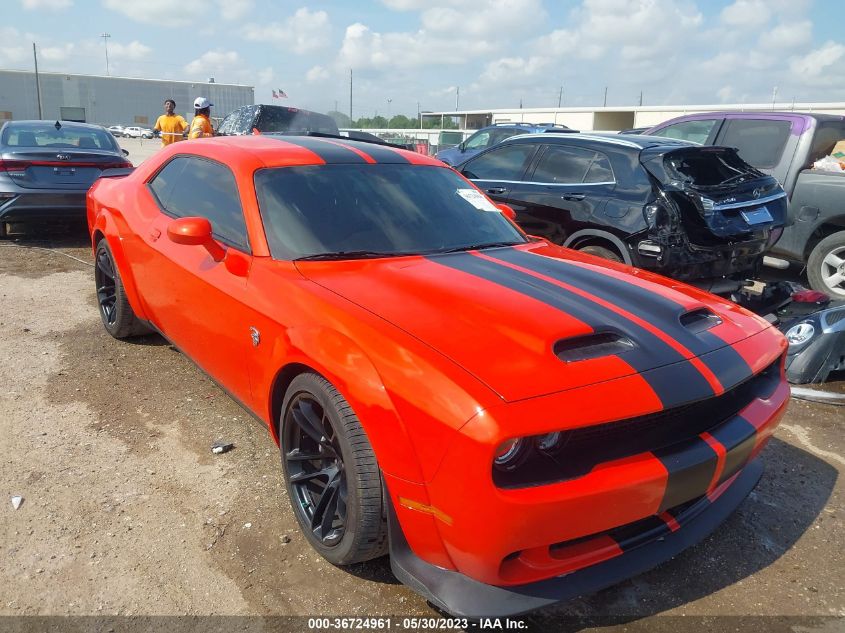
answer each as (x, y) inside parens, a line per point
(46, 168)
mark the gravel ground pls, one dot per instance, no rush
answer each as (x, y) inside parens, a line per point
(127, 512)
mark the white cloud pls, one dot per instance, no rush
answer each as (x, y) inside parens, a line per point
(234, 9)
(134, 50)
(819, 64)
(266, 75)
(788, 36)
(303, 32)
(213, 61)
(317, 73)
(746, 13)
(168, 14)
(515, 70)
(484, 18)
(56, 53)
(32, 5)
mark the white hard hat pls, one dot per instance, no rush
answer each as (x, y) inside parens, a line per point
(202, 102)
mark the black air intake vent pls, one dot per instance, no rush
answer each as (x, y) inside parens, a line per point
(590, 346)
(700, 320)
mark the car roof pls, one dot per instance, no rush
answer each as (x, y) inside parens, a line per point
(73, 125)
(278, 150)
(631, 141)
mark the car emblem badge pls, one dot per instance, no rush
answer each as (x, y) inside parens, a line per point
(63, 156)
(256, 336)
(756, 193)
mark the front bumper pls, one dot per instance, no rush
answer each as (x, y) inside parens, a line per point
(462, 596)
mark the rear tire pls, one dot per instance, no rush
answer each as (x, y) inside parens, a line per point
(826, 266)
(336, 495)
(603, 252)
(117, 315)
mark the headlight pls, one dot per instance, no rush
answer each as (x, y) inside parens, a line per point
(800, 334)
(510, 454)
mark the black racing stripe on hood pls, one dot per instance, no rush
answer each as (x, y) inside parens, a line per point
(670, 375)
(729, 367)
(382, 154)
(329, 152)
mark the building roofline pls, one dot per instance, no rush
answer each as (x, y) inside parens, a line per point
(175, 81)
(777, 107)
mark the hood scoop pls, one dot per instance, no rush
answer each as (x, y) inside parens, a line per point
(700, 320)
(597, 345)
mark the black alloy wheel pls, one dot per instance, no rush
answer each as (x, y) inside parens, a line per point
(331, 473)
(315, 469)
(118, 317)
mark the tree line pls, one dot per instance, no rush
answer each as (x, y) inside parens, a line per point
(398, 122)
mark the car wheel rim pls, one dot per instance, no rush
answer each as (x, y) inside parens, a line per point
(315, 469)
(106, 293)
(833, 270)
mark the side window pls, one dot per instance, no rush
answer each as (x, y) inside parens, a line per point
(500, 135)
(760, 141)
(507, 162)
(563, 165)
(189, 187)
(478, 141)
(600, 170)
(696, 131)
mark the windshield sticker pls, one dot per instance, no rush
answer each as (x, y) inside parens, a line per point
(477, 200)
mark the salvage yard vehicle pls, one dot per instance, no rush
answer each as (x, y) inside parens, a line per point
(137, 132)
(490, 136)
(692, 213)
(266, 119)
(46, 167)
(785, 145)
(514, 422)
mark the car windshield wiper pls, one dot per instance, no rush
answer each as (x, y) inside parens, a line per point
(476, 247)
(348, 255)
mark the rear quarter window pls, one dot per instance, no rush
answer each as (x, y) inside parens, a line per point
(697, 131)
(760, 142)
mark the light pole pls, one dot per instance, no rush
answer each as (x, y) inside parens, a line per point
(106, 37)
(389, 101)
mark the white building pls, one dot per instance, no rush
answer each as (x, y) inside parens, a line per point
(109, 100)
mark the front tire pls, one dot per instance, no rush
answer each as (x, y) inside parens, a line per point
(331, 474)
(117, 315)
(603, 252)
(826, 266)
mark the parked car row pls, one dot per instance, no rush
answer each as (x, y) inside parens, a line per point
(119, 131)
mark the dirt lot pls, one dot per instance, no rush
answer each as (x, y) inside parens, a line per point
(127, 512)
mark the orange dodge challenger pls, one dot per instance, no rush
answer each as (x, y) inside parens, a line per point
(514, 422)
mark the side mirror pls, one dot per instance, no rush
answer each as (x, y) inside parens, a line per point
(195, 232)
(125, 152)
(507, 211)
(462, 147)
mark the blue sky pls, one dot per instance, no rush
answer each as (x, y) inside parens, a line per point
(408, 52)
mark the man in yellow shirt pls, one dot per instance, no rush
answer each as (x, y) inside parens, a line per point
(201, 124)
(169, 125)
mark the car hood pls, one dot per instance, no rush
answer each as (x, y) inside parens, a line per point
(538, 319)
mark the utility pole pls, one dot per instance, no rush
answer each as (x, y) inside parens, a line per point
(419, 114)
(350, 96)
(37, 82)
(389, 101)
(560, 96)
(457, 97)
(106, 37)
(605, 97)
(641, 98)
(774, 96)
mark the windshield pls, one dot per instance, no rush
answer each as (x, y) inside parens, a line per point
(47, 135)
(371, 210)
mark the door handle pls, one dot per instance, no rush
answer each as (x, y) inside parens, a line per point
(573, 196)
(496, 190)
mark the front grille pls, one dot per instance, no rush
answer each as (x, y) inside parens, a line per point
(584, 448)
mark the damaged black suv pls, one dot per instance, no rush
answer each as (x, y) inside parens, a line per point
(690, 212)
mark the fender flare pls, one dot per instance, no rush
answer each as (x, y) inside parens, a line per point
(107, 226)
(347, 367)
(610, 237)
